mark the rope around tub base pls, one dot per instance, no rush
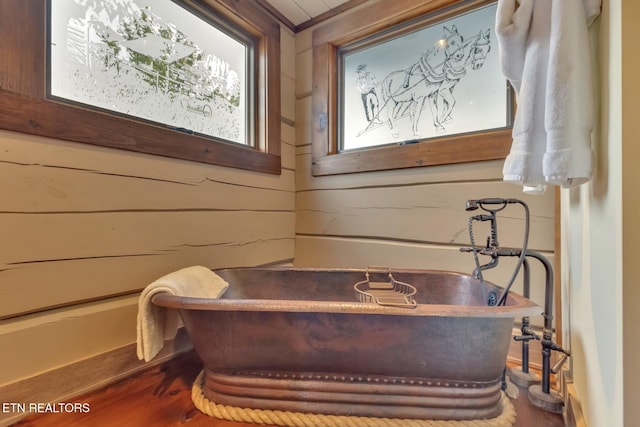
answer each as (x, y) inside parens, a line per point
(299, 419)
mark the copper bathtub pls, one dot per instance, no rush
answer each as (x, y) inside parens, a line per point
(298, 339)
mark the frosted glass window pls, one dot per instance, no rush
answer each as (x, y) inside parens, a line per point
(153, 60)
(443, 79)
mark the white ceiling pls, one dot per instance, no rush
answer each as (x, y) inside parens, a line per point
(300, 11)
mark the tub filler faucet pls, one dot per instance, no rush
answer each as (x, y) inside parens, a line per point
(539, 394)
(492, 249)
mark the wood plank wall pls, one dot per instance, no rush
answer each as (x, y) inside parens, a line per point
(412, 218)
(85, 228)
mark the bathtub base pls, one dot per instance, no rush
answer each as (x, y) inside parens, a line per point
(355, 395)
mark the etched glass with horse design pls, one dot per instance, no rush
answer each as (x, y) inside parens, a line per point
(448, 68)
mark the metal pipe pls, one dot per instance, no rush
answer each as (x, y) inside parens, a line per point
(548, 288)
(547, 333)
(525, 347)
(526, 286)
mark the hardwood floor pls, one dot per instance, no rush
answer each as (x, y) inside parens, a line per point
(161, 396)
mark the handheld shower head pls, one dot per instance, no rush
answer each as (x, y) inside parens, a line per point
(471, 205)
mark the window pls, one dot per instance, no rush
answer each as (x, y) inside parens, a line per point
(195, 81)
(371, 124)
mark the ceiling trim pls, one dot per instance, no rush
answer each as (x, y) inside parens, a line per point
(329, 14)
(313, 21)
(276, 14)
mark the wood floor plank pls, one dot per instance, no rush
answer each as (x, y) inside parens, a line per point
(160, 396)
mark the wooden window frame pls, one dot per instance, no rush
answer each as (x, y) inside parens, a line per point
(367, 21)
(24, 106)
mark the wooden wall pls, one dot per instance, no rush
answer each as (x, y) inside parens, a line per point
(85, 228)
(411, 218)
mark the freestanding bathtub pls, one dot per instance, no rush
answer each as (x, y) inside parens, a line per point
(298, 340)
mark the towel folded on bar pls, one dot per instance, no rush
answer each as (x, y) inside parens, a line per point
(154, 323)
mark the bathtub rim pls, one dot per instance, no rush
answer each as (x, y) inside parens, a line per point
(517, 305)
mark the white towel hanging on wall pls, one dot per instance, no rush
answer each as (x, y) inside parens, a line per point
(545, 54)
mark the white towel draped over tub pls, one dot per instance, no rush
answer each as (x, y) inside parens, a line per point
(155, 324)
(545, 54)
